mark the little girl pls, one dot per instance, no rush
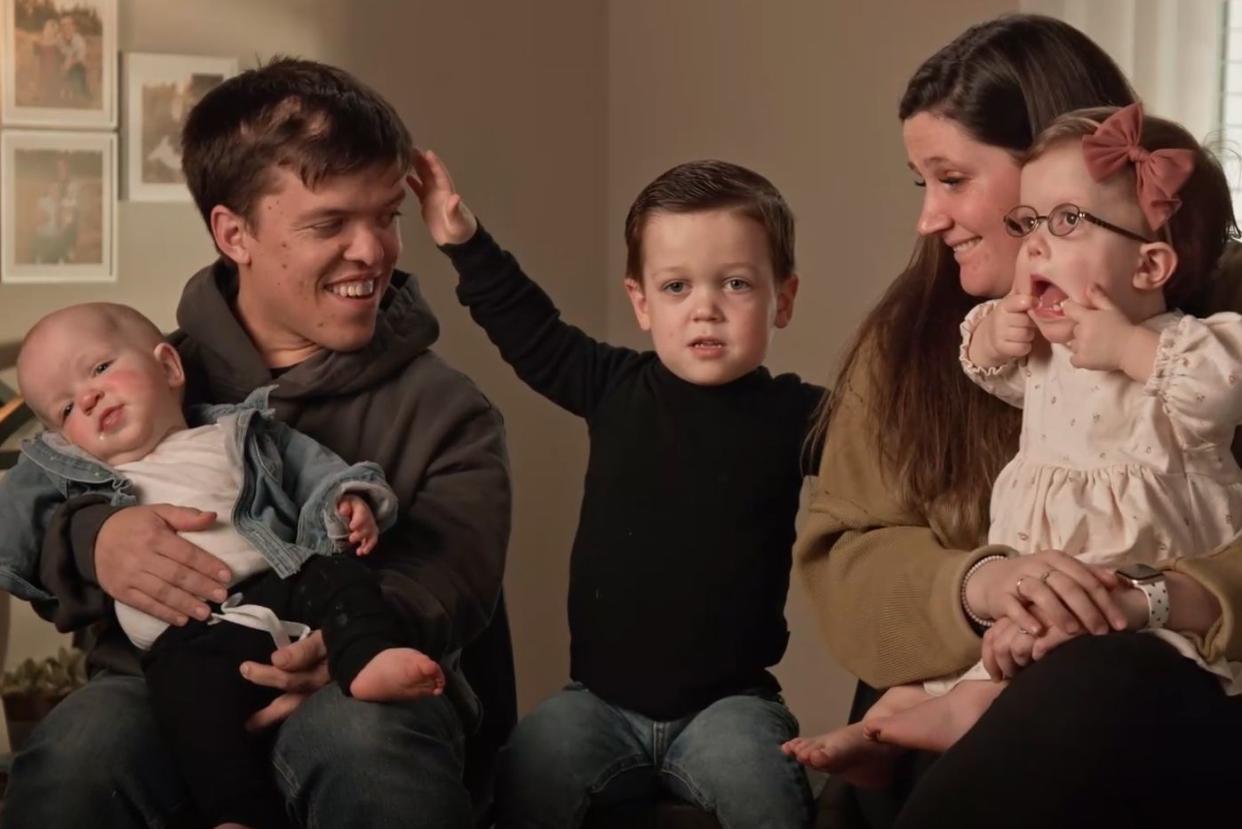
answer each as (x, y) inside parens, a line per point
(1129, 407)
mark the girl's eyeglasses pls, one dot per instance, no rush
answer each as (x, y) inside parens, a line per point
(1062, 220)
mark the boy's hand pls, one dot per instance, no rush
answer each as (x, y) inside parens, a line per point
(363, 531)
(1102, 333)
(1005, 334)
(447, 218)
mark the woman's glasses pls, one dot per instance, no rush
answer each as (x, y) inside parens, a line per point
(1062, 220)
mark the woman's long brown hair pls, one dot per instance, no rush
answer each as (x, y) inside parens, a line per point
(943, 440)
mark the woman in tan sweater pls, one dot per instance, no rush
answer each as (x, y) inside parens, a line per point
(1099, 725)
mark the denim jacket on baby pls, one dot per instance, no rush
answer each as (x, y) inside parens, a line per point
(286, 508)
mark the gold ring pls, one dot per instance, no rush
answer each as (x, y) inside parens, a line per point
(1017, 587)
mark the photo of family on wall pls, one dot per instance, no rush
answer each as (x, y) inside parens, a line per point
(59, 63)
(56, 217)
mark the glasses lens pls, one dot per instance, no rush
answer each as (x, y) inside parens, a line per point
(1021, 221)
(1063, 219)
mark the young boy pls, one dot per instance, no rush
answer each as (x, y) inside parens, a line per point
(681, 561)
(108, 389)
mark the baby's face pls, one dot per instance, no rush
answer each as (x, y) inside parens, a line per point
(114, 399)
(1054, 268)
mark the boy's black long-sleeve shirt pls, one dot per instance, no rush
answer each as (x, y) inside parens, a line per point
(681, 562)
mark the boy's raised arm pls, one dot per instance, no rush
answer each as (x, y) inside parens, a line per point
(556, 359)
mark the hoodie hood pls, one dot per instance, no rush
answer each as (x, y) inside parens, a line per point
(232, 366)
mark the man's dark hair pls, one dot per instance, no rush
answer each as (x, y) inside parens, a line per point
(698, 186)
(312, 119)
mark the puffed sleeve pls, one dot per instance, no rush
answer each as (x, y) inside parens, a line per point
(1005, 381)
(1198, 377)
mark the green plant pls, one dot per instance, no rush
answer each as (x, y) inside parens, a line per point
(54, 676)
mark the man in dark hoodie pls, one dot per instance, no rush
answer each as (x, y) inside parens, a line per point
(298, 171)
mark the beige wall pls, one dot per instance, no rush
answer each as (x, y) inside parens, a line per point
(552, 115)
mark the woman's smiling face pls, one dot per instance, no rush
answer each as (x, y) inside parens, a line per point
(968, 186)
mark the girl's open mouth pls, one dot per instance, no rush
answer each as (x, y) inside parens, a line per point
(1048, 298)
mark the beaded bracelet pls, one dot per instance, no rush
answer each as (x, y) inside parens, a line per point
(970, 614)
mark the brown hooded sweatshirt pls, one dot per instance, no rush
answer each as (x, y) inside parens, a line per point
(394, 402)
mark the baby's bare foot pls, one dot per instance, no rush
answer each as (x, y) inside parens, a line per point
(397, 674)
(847, 752)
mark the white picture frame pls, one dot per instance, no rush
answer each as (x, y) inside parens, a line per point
(58, 64)
(57, 207)
(159, 91)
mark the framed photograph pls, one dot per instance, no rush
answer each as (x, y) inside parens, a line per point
(58, 63)
(159, 91)
(57, 199)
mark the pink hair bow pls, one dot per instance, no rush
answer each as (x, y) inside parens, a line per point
(1160, 174)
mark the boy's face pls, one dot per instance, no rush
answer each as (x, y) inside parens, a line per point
(315, 263)
(1054, 268)
(708, 294)
(113, 399)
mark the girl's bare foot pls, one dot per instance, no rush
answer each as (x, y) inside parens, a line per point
(847, 752)
(940, 722)
(397, 674)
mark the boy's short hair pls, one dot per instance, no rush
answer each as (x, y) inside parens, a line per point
(1198, 229)
(698, 186)
(316, 120)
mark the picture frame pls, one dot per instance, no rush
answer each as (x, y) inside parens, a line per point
(57, 207)
(160, 90)
(58, 64)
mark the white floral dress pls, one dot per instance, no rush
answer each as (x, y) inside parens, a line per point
(1115, 472)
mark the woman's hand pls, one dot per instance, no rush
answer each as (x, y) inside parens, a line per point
(1066, 593)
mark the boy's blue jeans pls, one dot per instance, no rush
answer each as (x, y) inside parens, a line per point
(98, 761)
(576, 750)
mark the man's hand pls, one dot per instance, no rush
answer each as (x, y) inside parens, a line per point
(1005, 334)
(298, 669)
(448, 219)
(142, 561)
(363, 531)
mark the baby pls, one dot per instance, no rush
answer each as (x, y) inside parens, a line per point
(109, 390)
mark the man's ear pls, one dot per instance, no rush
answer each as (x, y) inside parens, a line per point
(1157, 263)
(170, 361)
(638, 299)
(786, 292)
(231, 234)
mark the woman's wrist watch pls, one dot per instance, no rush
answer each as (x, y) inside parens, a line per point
(1151, 582)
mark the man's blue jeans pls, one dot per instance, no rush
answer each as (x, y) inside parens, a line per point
(98, 760)
(576, 750)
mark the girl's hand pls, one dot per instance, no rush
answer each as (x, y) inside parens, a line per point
(363, 531)
(1007, 649)
(448, 219)
(1102, 333)
(1068, 594)
(1005, 334)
